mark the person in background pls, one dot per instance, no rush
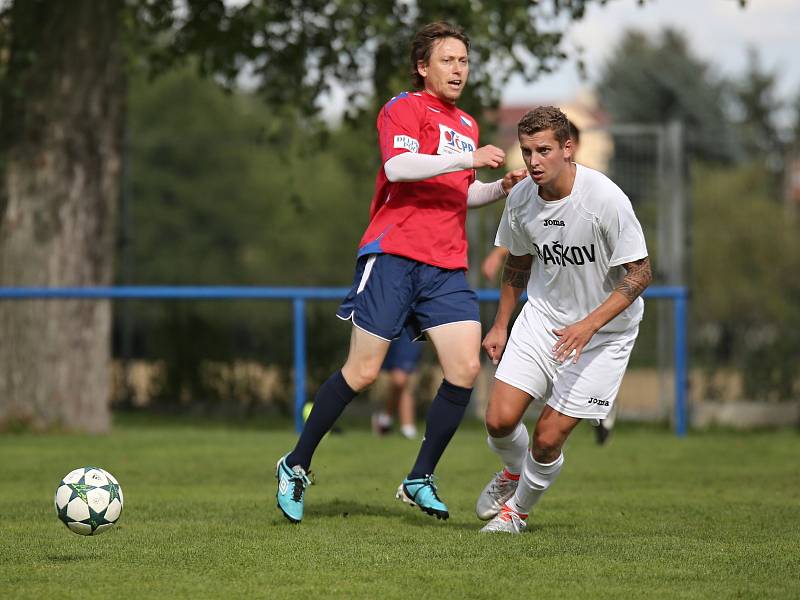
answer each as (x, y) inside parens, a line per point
(400, 363)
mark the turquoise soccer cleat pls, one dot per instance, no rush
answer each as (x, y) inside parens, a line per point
(292, 484)
(422, 493)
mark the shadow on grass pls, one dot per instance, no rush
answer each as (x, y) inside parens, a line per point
(70, 558)
(346, 508)
(409, 516)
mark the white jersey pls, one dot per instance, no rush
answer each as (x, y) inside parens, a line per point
(579, 244)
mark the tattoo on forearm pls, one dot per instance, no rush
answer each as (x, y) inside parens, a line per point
(636, 279)
(517, 271)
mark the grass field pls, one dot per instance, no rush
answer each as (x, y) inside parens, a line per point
(715, 515)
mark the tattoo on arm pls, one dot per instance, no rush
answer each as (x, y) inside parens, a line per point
(517, 271)
(636, 279)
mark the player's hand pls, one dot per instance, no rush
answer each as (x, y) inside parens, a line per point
(495, 343)
(572, 339)
(512, 178)
(488, 156)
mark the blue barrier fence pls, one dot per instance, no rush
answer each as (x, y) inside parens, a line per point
(299, 296)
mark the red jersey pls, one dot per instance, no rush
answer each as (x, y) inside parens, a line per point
(422, 220)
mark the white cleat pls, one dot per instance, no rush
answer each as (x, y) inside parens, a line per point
(507, 521)
(496, 493)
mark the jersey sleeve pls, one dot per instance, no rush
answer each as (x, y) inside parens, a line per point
(509, 234)
(474, 176)
(624, 233)
(399, 125)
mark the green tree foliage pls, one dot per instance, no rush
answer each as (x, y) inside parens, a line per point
(744, 252)
(758, 106)
(655, 80)
(228, 191)
(745, 289)
(795, 116)
(297, 50)
(225, 190)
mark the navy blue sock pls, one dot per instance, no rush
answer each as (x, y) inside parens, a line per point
(331, 399)
(444, 417)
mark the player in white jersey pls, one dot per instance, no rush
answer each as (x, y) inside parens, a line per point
(575, 243)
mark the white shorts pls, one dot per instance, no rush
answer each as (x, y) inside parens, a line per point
(585, 390)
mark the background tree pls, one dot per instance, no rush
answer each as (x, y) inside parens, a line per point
(743, 249)
(62, 115)
(655, 80)
(746, 294)
(61, 122)
(258, 205)
(757, 110)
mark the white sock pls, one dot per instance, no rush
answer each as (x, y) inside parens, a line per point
(384, 419)
(409, 431)
(512, 448)
(609, 421)
(534, 481)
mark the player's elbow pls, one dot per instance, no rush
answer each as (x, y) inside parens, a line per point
(647, 274)
(393, 169)
(391, 173)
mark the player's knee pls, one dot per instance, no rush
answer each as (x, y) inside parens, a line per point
(398, 378)
(499, 421)
(361, 375)
(497, 427)
(546, 445)
(473, 368)
(465, 373)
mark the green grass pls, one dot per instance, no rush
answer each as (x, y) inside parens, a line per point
(715, 515)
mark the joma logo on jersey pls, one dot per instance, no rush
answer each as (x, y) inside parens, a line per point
(561, 255)
(452, 142)
(597, 401)
(556, 222)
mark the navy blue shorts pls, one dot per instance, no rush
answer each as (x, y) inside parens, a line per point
(403, 354)
(392, 293)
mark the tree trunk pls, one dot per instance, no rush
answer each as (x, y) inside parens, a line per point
(61, 124)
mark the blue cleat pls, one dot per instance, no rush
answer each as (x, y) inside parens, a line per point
(422, 493)
(292, 484)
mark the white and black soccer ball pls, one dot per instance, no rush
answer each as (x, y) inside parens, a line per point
(89, 500)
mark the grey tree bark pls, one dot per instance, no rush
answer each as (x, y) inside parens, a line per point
(61, 124)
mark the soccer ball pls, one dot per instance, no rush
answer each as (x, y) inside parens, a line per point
(89, 500)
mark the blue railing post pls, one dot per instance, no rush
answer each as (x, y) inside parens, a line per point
(299, 305)
(681, 353)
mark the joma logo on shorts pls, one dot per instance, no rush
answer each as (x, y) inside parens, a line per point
(559, 254)
(597, 401)
(556, 222)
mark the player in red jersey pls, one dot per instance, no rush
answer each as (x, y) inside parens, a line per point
(411, 262)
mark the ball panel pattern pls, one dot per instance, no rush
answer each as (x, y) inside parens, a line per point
(88, 501)
(80, 528)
